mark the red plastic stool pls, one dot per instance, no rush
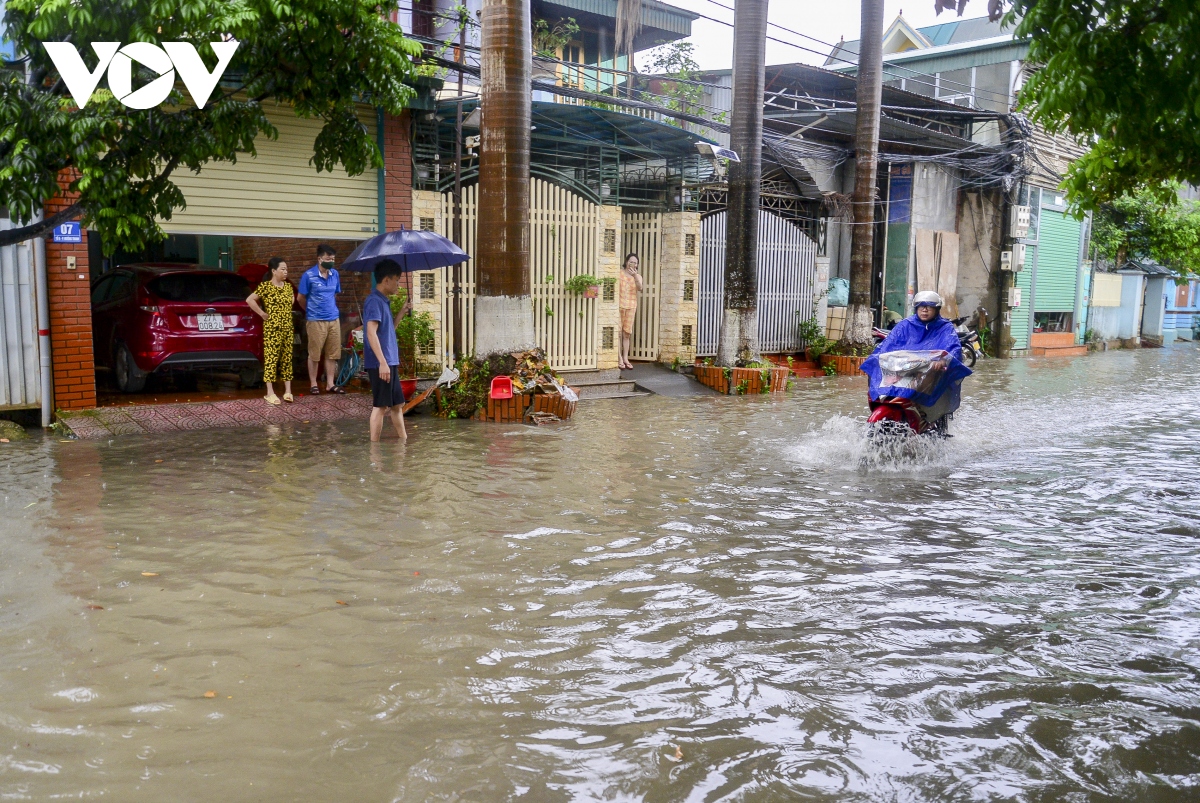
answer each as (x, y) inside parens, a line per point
(501, 388)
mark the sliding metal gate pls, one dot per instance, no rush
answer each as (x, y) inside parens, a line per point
(787, 271)
(20, 369)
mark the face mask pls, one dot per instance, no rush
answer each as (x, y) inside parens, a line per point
(326, 263)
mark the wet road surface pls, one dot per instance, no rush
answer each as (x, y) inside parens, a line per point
(708, 599)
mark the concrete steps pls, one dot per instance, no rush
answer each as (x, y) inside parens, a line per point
(606, 384)
(1058, 351)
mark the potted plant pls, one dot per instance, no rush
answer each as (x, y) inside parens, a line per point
(814, 340)
(413, 330)
(585, 285)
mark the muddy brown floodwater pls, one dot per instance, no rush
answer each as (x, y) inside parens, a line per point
(711, 599)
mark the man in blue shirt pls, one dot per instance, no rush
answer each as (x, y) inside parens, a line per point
(318, 291)
(382, 358)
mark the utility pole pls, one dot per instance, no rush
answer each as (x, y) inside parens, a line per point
(456, 290)
(738, 343)
(503, 304)
(866, 154)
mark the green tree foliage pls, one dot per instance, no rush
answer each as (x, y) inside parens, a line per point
(684, 93)
(322, 57)
(1141, 225)
(548, 39)
(1123, 75)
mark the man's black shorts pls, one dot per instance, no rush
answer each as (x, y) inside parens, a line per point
(385, 394)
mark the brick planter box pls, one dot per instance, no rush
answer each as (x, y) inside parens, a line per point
(845, 366)
(713, 376)
(513, 411)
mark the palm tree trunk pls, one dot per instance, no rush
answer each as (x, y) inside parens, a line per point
(866, 154)
(738, 343)
(628, 23)
(503, 304)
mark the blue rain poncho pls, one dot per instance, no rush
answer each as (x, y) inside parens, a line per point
(914, 335)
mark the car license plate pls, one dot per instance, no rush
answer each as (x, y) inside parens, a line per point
(210, 323)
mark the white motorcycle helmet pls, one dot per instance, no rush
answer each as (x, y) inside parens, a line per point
(927, 298)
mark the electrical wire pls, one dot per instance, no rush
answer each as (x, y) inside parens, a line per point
(829, 56)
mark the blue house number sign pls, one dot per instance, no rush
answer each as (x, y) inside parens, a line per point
(68, 232)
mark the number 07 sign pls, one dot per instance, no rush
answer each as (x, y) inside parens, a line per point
(68, 232)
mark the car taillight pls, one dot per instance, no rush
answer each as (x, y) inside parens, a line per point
(146, 301)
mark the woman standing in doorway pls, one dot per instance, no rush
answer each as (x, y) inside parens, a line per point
(629, 284)
(277, 295)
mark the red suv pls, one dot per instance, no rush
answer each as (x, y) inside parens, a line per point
(149, 318)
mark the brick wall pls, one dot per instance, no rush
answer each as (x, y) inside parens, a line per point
(70, 318)
(397, 164)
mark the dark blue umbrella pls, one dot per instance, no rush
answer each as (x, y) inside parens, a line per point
(414, 250)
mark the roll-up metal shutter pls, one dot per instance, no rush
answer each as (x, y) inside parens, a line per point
(278, 192)
(1057, 262)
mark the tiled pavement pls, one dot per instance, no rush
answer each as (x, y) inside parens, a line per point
(104, 422)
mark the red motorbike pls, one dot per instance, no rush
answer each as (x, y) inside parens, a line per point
(921, 372)
(892, 414)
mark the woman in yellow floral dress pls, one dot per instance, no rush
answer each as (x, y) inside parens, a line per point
(277, 295)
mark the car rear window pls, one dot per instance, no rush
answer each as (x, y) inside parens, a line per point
(200, 288)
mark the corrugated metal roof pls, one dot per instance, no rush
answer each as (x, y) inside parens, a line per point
(655, 14)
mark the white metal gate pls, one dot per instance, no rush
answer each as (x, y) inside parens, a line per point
(20, 385)
(642, 235)
(787, 270)
(563, 231)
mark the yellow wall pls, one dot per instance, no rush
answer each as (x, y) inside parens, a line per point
(1106, 290)
(278, 193)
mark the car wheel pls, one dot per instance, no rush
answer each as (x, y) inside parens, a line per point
(130, 378)
(250, 377)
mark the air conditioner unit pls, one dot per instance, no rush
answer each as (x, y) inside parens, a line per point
(1018, 226)
(1014, 297)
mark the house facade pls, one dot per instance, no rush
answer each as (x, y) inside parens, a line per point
(978, 64)
(608, 178)
(939, 212)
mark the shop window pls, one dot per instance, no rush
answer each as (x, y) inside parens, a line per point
(1052, 322)
(685, 337)
(610, 241)
(689, 289)
(427, 287)
(427, 224)
(606, 337)
(689, 245)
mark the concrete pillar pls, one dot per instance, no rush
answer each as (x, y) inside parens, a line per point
(820, 292)
(608, 265)
(679, 263)
(427, 214)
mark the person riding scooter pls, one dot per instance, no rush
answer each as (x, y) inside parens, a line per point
(921, 388)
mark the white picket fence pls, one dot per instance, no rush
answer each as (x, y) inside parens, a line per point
(563, 234)
(787, 271)
(20, 379)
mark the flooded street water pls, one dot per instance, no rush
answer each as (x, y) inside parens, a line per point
(710, 599)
